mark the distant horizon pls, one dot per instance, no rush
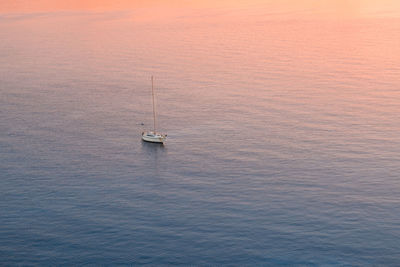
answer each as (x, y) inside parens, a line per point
(335, 8)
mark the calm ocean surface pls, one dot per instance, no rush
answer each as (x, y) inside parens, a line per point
(283, 139)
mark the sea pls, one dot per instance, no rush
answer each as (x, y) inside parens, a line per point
(283, 144)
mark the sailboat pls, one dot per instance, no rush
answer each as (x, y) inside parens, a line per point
(153, 136)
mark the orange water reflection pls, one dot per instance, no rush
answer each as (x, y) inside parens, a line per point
(336, 8)
(323, 74)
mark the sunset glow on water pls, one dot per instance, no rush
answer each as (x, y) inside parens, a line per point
(282, 120)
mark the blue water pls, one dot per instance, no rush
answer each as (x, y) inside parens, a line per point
(283, 140)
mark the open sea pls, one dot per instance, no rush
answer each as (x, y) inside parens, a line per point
(283, 138)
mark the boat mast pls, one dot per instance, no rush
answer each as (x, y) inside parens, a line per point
(154, 108)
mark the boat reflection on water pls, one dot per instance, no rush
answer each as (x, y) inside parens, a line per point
(154, 155)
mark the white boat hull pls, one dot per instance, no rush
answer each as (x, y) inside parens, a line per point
(153, 137)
